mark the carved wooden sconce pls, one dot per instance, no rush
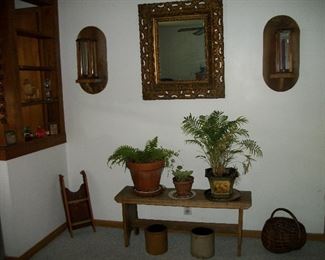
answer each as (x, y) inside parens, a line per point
(91, 60)
(281, 53)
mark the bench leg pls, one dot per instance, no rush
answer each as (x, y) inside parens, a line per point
(130, 214)
(240, 231)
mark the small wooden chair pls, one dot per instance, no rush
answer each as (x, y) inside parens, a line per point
(77, 206)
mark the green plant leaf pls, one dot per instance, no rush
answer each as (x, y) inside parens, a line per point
(150, 153)
(222, 141)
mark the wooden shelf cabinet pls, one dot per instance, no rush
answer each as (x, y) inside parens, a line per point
(30, 77)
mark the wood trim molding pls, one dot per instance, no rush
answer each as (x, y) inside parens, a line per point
(119, 224)
(41, 244)
(246, 233)
(316, 237)
(108, 223)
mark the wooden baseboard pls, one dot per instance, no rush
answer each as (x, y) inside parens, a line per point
(42, 243)
(108, 223)
(50, 237)
(252, 233)
(246, 233)
(257, 234)
(119, 224)
(316, 237)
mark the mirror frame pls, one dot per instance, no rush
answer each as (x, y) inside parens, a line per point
(211, 11)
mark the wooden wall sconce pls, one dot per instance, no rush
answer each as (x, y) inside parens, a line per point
(281, 53)
(91, 60)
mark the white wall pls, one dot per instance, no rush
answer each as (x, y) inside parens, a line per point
(30, 198)
(288, 126)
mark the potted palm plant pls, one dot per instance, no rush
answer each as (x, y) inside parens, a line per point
(182, 181)
(224, 144)
(145, 165)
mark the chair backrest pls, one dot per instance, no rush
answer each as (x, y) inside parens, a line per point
(77, 206)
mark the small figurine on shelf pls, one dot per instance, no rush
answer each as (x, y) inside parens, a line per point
(40, 132)
(47, 91)
(29, 90)
(53, 129)
(10, 137)
(28, 135)
(2, 113)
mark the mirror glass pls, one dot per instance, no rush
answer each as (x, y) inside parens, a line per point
(19, 4)
(181, 50)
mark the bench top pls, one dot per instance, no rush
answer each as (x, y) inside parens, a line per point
(128, 196)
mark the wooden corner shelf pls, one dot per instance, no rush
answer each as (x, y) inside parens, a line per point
(15, 150)
(30, 83)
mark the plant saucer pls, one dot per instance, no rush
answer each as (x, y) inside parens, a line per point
(173, 195)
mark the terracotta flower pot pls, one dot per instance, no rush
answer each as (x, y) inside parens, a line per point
(183, 188)
(146, 176)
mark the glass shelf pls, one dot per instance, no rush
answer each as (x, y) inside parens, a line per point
(39, 101)
(35, 68)
(21, 32)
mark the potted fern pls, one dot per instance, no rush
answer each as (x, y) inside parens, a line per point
(224, 144)
(145, 165)
(182, 181)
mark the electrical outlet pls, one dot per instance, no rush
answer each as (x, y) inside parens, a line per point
(187, 211)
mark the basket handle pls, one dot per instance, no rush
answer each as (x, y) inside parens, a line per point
(291, 214)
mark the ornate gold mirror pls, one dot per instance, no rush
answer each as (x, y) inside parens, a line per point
(182, 50)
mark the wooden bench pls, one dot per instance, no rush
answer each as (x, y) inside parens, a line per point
(130, 201)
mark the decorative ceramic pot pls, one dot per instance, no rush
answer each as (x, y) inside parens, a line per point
(221, 186)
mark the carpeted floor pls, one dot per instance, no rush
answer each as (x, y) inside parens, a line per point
(108, 243)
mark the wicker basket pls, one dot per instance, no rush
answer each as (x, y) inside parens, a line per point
(281, 234)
